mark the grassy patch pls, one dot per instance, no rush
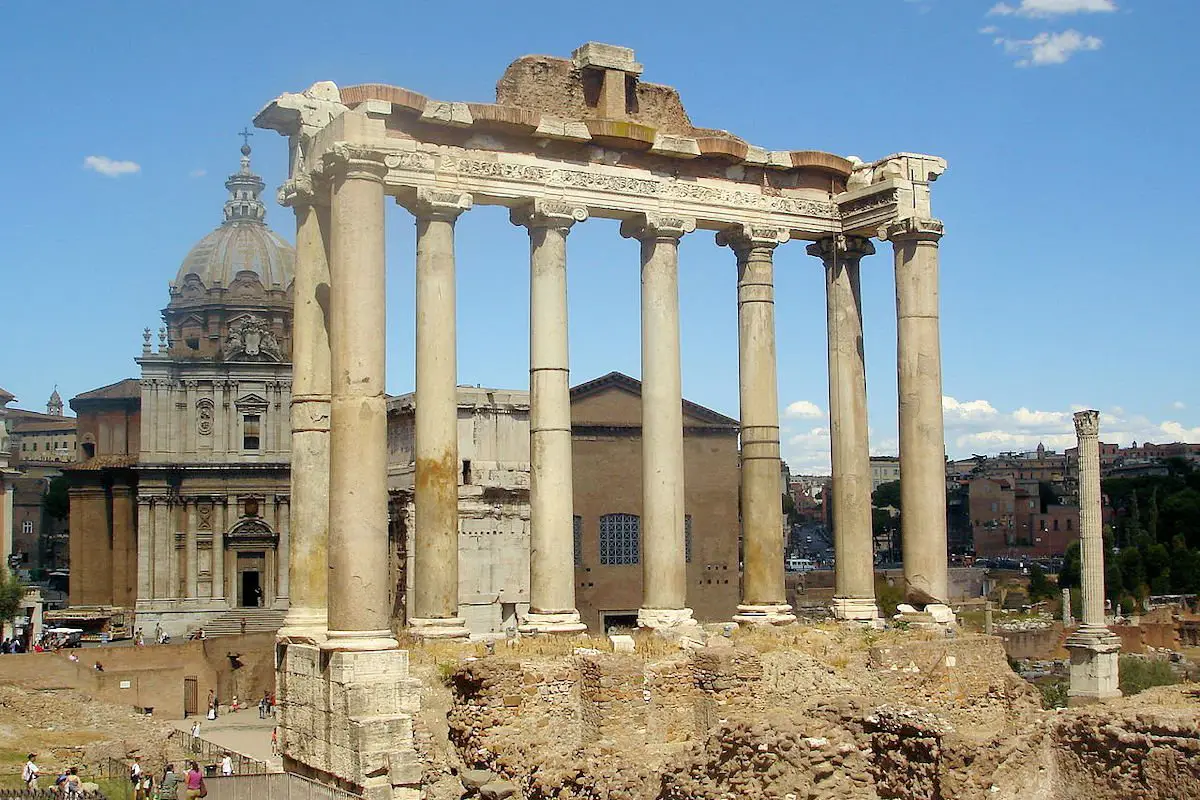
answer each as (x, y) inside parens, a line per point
(1139, 674)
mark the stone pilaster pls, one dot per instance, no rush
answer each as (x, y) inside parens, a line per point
(854, 558)
(192, 589)
(220, 525)
(307, 562)
(435, 561)
(664, 572)
(359, 615)
(1093, 647)
(551, 522)
(922, 434)
(764, 597)
(145, 550)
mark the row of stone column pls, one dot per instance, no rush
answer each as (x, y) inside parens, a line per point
(339, 293)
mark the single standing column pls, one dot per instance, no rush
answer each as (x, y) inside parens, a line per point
(551, 521)
(922, 437)
(854, 557)
(764, 597)
(664, 567)
(359, 614)
(145, 550)
(1094, 648)
(435, 493)
(307, 564)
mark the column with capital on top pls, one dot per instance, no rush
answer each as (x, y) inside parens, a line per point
(551, 520)
(307, 564)
(764, 596)
(1093, 647)
(359, 616)
(922, 434)
(664, 573)
(434, 611)
(850, 455)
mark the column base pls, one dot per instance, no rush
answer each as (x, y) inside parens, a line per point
(665, 618)
(359, 641)
(1095, 674)
(765, 615)
(438, 628)
(858, 609)
(303, 625)
(536, 623)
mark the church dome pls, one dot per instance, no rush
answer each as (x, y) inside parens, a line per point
(243, 243)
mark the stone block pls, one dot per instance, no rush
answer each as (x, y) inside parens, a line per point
(474, 779)
(622, 643)
(497, 790)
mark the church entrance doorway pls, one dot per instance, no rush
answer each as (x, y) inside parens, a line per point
(250, 569)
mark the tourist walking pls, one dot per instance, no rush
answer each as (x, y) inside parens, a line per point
(195, 782)
(72, 786)
(30, 773)
(227, 764)
(168, 787)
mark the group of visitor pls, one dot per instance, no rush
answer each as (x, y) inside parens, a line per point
(66, 784)
(10, 646)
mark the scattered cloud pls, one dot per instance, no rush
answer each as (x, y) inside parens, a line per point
(966, 411)
(804, 409)
(1046, 49)
(1051, 8)
(107, 166)
(808, 453)
(1178, 405)
(197, 173)
(989, 30)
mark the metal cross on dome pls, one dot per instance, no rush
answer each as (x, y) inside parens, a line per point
(245, 133)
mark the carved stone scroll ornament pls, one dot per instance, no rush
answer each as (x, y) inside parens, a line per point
(250, 339)
(204, 416)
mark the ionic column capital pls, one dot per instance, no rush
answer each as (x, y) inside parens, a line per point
(743, 239)
(353, 163)
(841, 247)
(657, 227)
(1087, 423)
(436, 204)
(913, 229)
(541, 213)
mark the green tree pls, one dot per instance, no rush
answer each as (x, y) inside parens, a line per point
(887, 495)
(1069, 577)
(1040, 587)
(1180, 513)
(12, 592)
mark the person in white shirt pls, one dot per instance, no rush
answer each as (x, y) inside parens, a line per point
(30, 773)
(227, 765)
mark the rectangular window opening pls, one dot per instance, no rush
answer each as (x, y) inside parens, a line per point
(250, 431)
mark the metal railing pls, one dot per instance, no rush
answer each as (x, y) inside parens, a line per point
(272, 786)
(208, 752)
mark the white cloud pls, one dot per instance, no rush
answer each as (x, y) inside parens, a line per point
(1046, 49)
(1178, 405)
(988, 30)
(804, 409)
(197, 173)
(107, 166)
(970, 410)
(1041, 419)
(1052, 8)
(808, 453)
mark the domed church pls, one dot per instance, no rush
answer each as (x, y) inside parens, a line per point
(211, 460)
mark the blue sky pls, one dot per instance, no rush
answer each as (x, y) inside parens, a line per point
(1069, 127)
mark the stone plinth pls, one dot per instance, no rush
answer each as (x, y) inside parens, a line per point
(1094, 673)
(346, 719)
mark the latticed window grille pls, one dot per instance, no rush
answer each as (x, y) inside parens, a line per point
(577, 530)
(620, 539)
(687, 537)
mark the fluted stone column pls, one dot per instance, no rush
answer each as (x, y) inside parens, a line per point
(1094, 648)
(764, 597)
(922, 436)
(551, 521)
(434, 611)
(853, 547)
(359, 613)
(308, 546)
(664, 568)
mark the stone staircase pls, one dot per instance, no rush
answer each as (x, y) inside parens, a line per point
(258, 620)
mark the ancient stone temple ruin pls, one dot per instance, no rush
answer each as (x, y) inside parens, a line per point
(566, 140)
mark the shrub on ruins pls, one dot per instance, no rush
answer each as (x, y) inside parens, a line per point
(1139, 673)
(1040, 587)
